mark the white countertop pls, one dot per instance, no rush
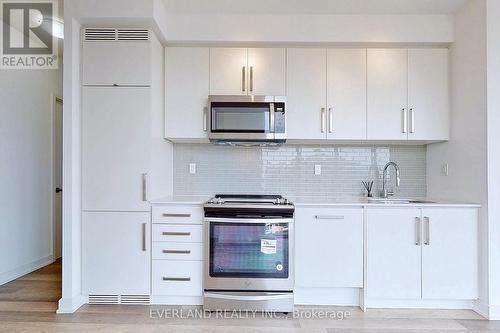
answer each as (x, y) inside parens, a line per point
(325, 202)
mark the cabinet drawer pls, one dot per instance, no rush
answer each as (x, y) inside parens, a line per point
(177, 214)
(177, 251)
(182, 278)
(177, 233)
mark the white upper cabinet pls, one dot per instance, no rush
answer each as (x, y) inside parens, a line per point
(428, 94)
(116, 63)
(387, 89)
(116, 148)
(186, 92)
(266, 70)
(228, 71)
(306, 93)
(346, 83)
(241, 71)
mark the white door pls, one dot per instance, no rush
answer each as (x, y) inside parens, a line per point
(121, 63)
(58, 158)
(186, 92)
(116, 142)
(387, 91)
(346, 94)
(449, 253)
(266, 68)
(328, 247)
(428, 94)
(228, 71)
(116, 252)
(393, 254)
(306, 93)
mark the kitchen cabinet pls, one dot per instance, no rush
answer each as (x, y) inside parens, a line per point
(116, 63)
(116, 148)
(116, 253)
(329, 247)
(428, 94)
(186, 92)
(241, 71)
(387, 89)
(428, 253)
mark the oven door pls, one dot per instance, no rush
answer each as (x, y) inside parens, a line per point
(249, 254)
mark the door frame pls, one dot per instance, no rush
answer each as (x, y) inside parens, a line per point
(55, 98)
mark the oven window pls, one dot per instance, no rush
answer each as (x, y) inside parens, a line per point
(249, 250)
(254, 117)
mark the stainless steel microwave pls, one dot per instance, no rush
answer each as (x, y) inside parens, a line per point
(247, 120)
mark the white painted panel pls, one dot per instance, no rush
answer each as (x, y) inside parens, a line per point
(226, 71)
(190, 271)
(266, 71)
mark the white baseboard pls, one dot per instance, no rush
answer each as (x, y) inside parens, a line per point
(420, 304)
(25, 269)
(327, 296)
(176, 300)
(70, 305)
(481, 308)
(494, 312)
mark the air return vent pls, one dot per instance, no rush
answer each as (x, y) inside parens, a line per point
(114, 34)
(119, 299)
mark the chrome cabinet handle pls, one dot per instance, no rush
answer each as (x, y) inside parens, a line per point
(329, 217)
(243, 78)
(251, 78)
(405, 120)
(144, 187)
(412, 121)
(418, 241)
(144, 237)
(205, 119)
(175, 233)
(322, 120)
(330, 120)
(175, 215)
(177, 251)
(165, 278)
(427, 227)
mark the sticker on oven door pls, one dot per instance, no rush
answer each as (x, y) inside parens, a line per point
(268, 246)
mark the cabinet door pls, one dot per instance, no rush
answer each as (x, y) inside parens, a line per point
(121, 63)
(228, 71)
(346, 94)
(329, 247)
(266, 68)
(306, 93)
(450, 253)
(387, 94)
(116, 252)
(186, 92)
(428, 94)
(116, 143)
(393, 255)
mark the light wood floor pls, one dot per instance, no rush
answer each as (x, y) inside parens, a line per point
(28, 304)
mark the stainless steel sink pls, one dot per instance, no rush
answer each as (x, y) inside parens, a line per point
(398, 201)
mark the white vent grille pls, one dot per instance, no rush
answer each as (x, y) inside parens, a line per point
(113, 34)
(119, 299)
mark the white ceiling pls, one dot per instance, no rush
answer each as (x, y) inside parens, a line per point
(331, 7)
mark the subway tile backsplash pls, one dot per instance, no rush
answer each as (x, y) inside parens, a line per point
(289, 169)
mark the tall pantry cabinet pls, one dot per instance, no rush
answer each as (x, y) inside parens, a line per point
(122, 148)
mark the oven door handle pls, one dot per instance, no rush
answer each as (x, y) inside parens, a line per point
(243, 297)
(248, 220)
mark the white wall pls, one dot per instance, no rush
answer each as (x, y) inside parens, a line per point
(26, 169)
(466, 151)
(309, 28)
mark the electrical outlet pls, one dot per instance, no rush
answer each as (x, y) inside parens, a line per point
(444, 169)
(317, 169)
(192, 168)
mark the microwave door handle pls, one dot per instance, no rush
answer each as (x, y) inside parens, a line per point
(271, 118)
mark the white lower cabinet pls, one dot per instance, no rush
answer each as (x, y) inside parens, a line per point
(329, 247)
(116, 253)
(177, 278)
(428, 254)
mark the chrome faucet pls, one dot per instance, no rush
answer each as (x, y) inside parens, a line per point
(385, 193)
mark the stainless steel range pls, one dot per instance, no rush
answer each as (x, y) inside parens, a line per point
(249, 253)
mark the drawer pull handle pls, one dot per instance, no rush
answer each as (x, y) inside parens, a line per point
(174, 233)
(329, 217)
(176, 215)
(177, 251)
(176, 279)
